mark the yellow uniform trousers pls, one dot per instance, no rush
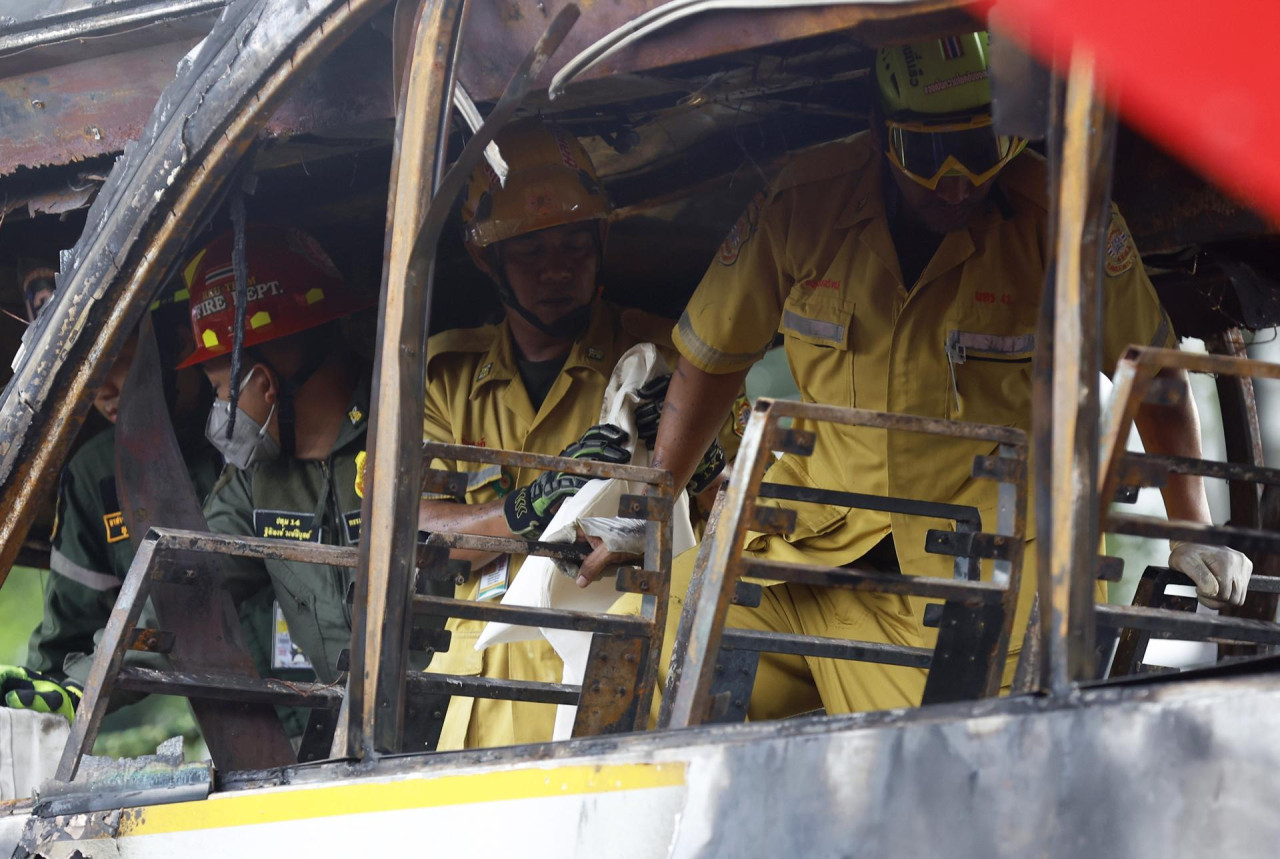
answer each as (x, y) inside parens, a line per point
(787, 685)
(486, 722)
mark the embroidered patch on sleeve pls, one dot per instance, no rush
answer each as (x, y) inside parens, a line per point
(360, 459)
(741, 413)
(1121, 253)
(741, 232)
(114, 525)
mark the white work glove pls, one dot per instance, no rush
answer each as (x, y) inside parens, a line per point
(1221, 574)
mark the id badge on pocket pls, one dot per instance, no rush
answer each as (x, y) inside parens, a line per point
(493, 578)
(284, 653)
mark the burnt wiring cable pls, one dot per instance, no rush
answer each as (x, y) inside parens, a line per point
(240, 266)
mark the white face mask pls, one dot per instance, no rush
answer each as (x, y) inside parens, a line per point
(250, 442)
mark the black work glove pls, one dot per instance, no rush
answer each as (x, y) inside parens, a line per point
(23, 689)
(709, 468)
(649, 409)
(649, 414)
(529, 509)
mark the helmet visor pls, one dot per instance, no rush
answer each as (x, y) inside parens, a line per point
(927, 153)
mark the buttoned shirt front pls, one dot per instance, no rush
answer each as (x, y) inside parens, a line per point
(814, 259)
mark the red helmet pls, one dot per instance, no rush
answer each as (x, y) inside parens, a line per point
(293, 286)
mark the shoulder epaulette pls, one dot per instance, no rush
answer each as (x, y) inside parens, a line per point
(647, 327)
(825, 162)
(461, 340)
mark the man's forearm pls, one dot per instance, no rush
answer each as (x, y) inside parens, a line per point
(1175, 431)
(486, 520)
(692, 416)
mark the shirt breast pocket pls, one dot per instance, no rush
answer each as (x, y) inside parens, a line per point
(990, 377)
(818, 334)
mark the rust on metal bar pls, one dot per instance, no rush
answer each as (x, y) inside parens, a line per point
(970, 544)
(151, 641)
(384, 580)
(687, 698)
(1242, 434)
(228, 687)
(1071, 529)
(1000, 468)
(609, 703)
(857, 579)
(647, 582)
(170, 540)
(107, 662)
(544, 462)
(1147, 469)
(773, 520)
(1180, 625)
(493, 687)
(451, 483)
(793, 441)
(1199, 362)
(527, 616)
(964, 515)
(650, 507)
(658, 537)
(1243, 539)
(1110, 569)
(510, 545)
(424, 639)
(830, 648)
(894, 421)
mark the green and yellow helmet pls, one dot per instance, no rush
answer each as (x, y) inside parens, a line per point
(947, 76)
(936, 100)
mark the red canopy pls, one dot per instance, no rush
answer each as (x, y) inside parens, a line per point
(1198, 76)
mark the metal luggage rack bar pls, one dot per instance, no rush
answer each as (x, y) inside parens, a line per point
(974, 622)
(1155, 613)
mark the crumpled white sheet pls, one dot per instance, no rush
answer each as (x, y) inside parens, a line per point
(541, 584)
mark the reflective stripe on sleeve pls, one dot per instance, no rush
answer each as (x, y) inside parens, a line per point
(64, 566)
(488, 474)
(703, 354)
(1163, 331)
(819, 329)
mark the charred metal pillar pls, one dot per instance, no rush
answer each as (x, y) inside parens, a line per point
(1243, 437)
(1068, 512)
(381, 622)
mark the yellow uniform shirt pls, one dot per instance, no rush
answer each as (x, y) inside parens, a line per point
(475, 396)
(814, 260)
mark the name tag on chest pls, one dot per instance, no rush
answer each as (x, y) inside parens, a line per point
(493, 578)
(351, 521)
(286, 525)
(284, 653)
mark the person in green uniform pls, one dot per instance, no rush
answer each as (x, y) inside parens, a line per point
(292, 426)
(91, 550)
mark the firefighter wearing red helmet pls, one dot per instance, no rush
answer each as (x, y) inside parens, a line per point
(534, 382)
(297, 441)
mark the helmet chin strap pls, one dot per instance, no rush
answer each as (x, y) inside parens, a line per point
(567, 327)
(286, 398)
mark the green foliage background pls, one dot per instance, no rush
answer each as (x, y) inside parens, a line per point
(129, 731)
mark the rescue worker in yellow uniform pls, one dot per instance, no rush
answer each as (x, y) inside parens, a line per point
(533, 382)
(904, 268)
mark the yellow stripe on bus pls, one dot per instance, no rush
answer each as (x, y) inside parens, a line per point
(302, 803)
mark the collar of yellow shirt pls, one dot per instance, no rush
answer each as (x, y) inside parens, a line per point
(591, 351)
